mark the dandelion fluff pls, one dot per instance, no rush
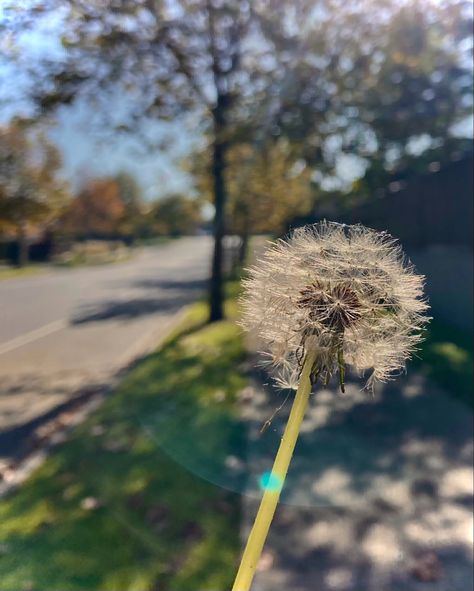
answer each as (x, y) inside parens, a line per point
(346, 293)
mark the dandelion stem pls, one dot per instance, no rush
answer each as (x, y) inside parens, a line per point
(269, 502)
(342, 369)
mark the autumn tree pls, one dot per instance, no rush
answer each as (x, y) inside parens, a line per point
(208, 57)
(96, 211)
(267, 188)
(30, 192)
(131, 197)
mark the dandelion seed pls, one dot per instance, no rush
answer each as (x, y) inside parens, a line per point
(345, 293)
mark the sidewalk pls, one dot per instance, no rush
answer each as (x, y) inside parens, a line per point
(379, 493)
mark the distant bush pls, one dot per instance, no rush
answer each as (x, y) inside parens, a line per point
(93, 252)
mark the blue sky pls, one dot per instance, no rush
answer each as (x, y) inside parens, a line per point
(86, 153)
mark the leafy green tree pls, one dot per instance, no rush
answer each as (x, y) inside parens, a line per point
(30, 192)
(175, 215)
(379, 78)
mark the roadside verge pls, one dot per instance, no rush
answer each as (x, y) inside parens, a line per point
(135, 498)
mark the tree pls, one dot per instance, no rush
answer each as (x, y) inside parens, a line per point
(382, 77)
(358, 78)
(131, 196)
(192, 55)
(30, 192)
(267, 188)
(97, 211)
(175, 215)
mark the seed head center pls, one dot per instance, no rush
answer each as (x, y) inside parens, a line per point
(333, 306)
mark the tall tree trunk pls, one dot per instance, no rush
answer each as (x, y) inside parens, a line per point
(244, 235)
(243, 247)
(216, 291)
(22, 258)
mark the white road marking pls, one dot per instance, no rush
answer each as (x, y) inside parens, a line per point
(33, 335)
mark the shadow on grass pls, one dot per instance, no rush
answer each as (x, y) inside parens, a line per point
(136, 498)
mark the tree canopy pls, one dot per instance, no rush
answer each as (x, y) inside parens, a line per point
(385, 82)
(30, 191)
(175, 215)
(97, 211)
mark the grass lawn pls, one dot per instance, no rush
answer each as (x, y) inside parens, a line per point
(139, 497)
(13, 272)
(157, 241)
(447, 357)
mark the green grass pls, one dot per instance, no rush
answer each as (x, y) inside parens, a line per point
(14, 272)
(154, 458)
(156, 241)
(447, 357)
(80, 260)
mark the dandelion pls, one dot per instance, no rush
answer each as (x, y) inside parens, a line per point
(344, 292)
(330, 296)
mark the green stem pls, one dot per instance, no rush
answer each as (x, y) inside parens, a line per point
(342, 369)
(269, 502)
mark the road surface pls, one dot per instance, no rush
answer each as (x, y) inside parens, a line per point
(74, 327)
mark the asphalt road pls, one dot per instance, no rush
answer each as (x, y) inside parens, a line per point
(72, 327)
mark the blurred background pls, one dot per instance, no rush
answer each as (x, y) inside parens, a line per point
(148, 150)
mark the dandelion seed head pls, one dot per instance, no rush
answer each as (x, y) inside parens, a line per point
(344, 292)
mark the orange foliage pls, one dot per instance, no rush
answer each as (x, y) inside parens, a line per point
(97, 210)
